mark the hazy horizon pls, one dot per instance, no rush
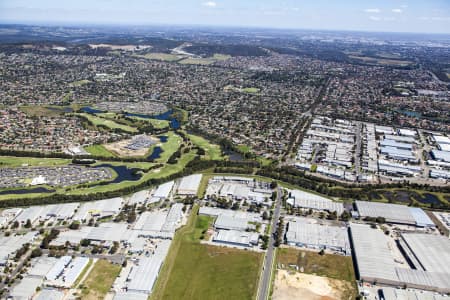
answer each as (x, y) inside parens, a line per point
(397, 16)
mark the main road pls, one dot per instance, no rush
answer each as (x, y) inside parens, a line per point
(264, 283)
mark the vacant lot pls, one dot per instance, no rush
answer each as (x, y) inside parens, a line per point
(328, 265)
(295, 285)
(119, 148)
(207, 272)
(100, 280)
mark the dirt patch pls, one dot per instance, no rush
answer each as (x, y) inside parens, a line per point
(119, 148)
(295, 285)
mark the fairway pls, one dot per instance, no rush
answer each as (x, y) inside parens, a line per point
(213, 272)
(13, 161)
(213, 151)
(169, 147)
(99, 280)
(98, 150)
(161, 56)
(157, 124)
(97, 121)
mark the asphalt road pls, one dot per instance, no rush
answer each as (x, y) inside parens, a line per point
(264, 284)
(18, 267)
(358, 150)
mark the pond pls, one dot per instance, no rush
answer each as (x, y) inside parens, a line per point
(37, 190)
(163, 138)
(410, 113)
(234, 156)
(429, 199)
(91, 110)
(123, 173)
(167, 116)
(156, 153)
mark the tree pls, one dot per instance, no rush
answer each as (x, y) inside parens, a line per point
(74, 225)
(28, 224)
(273, 185)
(131, 217)
(36, 252)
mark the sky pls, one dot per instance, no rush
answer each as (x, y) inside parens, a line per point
(421, 16)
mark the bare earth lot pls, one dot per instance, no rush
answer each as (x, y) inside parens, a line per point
(295, 285)
(119, 148)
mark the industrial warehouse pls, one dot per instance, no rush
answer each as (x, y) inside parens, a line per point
(364, 152)
(239, 189)
(394, 213)
(312, 201)
(234, 227)
(308, 233)
(379, 261)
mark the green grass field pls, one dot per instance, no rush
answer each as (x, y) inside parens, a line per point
(99, 150)
(39, 111)
(99, 280)
(80, 82)
(213, 151)
(158, 124)
(169, 147)
(108, 123)
(250, 90)
(13, 161)
(244, 148)
(161, 56)
(197, 61)
(213, 272)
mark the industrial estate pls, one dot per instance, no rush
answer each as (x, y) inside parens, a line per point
(180, 163)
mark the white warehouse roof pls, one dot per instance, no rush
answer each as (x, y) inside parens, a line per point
(373, 257)
(189, 184)
(164, 190)
(302, 231)
(313, 201)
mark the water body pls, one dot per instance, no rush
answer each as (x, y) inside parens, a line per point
(410, 113)
(123, 173)
(156, 153)
(37, 190)
(430, 199)
(234, 156)
(166, 116)
(163, 138)
(91, 110)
